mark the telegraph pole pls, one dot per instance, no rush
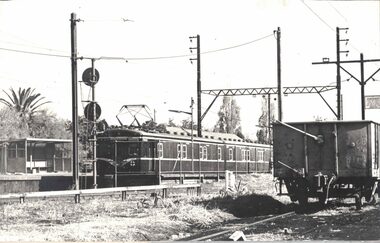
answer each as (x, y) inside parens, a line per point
(362, 81)
(199, 87)
(269, 121)
(279, 84)
(338, 77)
(362, 85)
(74, 78)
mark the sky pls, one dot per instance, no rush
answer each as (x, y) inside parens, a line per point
(162, 28)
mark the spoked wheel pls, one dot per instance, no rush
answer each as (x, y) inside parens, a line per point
(322, 199)
(359, 201)
(302, 196)
(374, 199)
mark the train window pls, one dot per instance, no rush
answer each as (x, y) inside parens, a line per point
(201, 152)
(12, 151)
(219, 153)
(230, 154)
(260, 155)
(248, 155)
(178, 151)
(134, 150)
(20, 152)
(204, 152)
(160, 149)
(184, 151)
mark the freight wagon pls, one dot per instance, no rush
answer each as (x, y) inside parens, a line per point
(131, 157)
(325, 160)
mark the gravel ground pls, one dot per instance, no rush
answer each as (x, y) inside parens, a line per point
(110, 219)
(340, 222)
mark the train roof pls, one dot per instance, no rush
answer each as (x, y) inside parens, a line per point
(177, 133)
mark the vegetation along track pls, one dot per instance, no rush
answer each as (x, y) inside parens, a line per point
(338, 221)
(228, 229)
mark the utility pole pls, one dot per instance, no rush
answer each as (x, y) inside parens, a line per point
(269, 125)
(362, 81)
(279, 84)
(199, 88)
(74, 78)
(362, 85)
(338, 77)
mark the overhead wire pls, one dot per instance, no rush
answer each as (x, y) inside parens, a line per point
(317, 15)
(325, 22)
(134, 58)
(337, 11)
(32, 46)
(236, 46)
(34, 53)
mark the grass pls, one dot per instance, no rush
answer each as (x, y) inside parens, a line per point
(138, 218)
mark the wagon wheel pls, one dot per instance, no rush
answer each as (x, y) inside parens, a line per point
(301, 196)
(359, 201)
(322, 199)
(374, 199)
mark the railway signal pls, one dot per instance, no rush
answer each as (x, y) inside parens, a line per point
(89, 77)
(92, 111)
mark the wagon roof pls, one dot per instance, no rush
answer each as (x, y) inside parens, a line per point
(329, 122)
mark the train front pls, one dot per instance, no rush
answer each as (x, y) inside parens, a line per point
(125, 158)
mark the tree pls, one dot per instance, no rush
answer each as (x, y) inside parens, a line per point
(263, 133)
(26, 102)
(11, 125)
(186, 124)
(229, 117)
(44, 124)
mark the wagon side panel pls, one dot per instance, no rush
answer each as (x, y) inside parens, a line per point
(288, 148)
(321, 157)
(354, 149)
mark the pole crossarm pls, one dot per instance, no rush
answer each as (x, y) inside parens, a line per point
(362, 81)
(269, 90)
(348, 61)
(372, 75)
(352, 76)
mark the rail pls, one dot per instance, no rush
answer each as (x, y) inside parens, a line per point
(212, 236)
(101, 191)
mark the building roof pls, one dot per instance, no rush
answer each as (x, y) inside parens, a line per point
(42, 140)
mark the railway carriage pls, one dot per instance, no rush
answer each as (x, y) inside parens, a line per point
(323, 160)
(148, 157)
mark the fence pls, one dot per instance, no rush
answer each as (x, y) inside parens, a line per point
(102, 191)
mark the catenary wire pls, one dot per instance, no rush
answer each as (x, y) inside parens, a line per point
(323, 21)
(337, 11)
(134, 58)
(240, 45)
(317, 15)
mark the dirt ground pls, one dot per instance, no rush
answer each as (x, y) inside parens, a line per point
(108, 218)
(341, 222)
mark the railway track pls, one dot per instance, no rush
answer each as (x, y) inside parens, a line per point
(339, 222)
(227, 230)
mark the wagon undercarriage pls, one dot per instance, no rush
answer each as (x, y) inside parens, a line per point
(325, 189)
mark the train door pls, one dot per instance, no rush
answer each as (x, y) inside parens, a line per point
(375, 150)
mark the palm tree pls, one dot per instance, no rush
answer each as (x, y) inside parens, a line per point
(25, 101)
